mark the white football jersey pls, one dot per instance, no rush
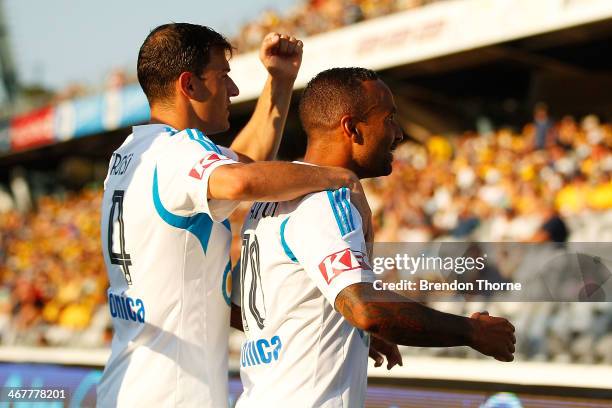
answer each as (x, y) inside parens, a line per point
(296, 258)
(166, 249)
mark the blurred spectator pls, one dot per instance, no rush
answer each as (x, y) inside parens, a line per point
(71, 91)
(116, 79)
(553, 228)
(542, 124)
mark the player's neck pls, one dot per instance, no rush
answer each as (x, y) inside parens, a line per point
(332, 156)
(166, 116)
(177, 118)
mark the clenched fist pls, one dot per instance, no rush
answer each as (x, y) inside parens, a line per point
(281, 55)
(493, 336)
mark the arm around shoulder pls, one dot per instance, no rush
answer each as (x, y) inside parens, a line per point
(274, 181)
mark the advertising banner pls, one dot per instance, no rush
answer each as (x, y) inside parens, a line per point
(88, 115)
(32, 129)
(64, 121)
(134, 108)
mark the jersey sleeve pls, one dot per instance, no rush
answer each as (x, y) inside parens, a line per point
(221, 209)
(325, 237)
(229, 153)
(184, 175)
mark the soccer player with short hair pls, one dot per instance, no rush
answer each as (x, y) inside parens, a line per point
(308, 305)
(168, 193)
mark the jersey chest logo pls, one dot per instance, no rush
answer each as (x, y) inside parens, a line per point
(197, 172)
(340, 262)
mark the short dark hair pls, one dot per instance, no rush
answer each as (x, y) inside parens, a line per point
(171, 49)
(332, 94)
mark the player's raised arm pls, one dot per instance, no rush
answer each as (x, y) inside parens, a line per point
(398, 319)
(281, 55)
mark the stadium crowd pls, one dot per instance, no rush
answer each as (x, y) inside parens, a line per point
(54, 283)
(312, 17)
(499, 186)
(548, 182)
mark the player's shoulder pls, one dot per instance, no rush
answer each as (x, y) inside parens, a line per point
(191, 139)
(330, 205)
(326, 198)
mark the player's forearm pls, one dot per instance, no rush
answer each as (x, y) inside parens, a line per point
(275, 181)
(397, 319)
(412, 324)
(261, 137)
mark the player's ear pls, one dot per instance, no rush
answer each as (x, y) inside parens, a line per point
(185, 84)
(349, 128)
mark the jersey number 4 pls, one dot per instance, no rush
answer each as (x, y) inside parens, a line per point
(250, 262)
(118, 258)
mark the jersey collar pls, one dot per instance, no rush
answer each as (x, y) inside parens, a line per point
(153, 128)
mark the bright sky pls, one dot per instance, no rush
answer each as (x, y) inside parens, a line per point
(56, 42)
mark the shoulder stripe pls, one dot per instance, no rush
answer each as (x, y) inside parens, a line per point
(332, 202)
(207, 141)
(342, 210)
(344, 194)
(288, 250)
(202, 143)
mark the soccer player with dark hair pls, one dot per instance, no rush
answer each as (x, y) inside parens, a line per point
(309, 307)
(167, 196)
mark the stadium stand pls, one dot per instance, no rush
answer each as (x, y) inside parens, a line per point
(498, 186)
(313, 17)
(54, 284)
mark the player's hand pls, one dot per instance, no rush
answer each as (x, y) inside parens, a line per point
(281, 55)
(380, 348)
(493, 336)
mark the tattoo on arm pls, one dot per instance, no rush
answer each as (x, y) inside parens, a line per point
(400, 320)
